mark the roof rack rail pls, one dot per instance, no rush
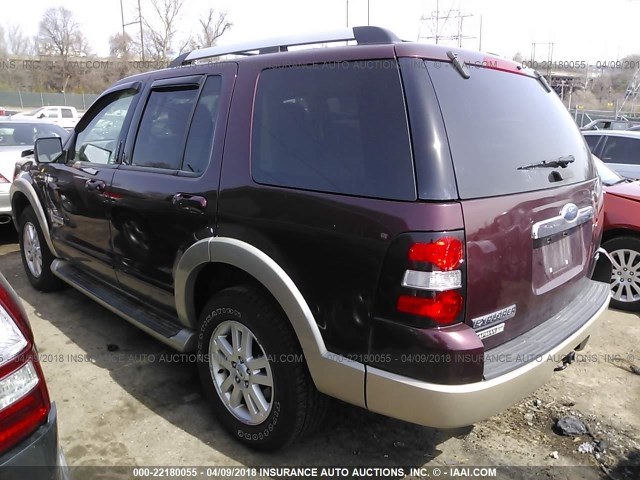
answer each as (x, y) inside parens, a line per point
(363, 35)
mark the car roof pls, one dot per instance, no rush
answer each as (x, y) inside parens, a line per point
(277, 51)
(615, 133)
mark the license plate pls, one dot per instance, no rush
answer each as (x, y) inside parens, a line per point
(557, 262)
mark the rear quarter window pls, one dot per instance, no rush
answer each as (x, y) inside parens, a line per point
(497, 122)
(339, 128)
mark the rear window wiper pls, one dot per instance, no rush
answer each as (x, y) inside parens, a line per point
(458, 64)
(560, 162)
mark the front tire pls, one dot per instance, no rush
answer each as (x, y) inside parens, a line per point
(36, 256)
(625, 274)
(252, 370)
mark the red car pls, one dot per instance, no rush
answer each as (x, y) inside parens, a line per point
(621, 237)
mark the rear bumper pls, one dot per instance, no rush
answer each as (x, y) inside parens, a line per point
(452, 406)
(39, 457)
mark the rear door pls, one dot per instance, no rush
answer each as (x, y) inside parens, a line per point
(622, 154)
(529, 225)
(164, 196)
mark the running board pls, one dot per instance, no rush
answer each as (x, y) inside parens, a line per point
(156, 324)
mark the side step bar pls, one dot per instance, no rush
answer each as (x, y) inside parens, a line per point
(156, 324)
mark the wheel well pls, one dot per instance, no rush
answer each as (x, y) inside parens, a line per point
(215, 277)
(619, 232)
(18, 203)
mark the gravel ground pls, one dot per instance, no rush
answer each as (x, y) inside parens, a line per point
(123, 399)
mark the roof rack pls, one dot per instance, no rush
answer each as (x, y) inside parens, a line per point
(363, 35)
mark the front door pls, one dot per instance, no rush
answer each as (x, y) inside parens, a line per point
(76, 188)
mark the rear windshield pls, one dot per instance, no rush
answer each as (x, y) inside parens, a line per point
(497, 122)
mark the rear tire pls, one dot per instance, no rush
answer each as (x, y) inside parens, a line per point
(625, 275)
(253, 372)
(36, 256)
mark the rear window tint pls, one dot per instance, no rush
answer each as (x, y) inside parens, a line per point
(497, 122)
(339, 128)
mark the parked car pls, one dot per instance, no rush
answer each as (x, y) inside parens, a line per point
(66, 117)
(619, 149)
(280, 216)
(610, 124)
(621, 237)
(3, 112)
(28, 419)
(16, 137)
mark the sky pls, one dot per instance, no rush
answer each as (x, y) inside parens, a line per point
(580, 29)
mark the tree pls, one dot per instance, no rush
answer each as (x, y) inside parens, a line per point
(3, 45)
(17, 43)
(122, 46)
(60, 35)
(212, 28)
(158, 39)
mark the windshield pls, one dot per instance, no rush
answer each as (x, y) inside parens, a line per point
(13, 134)
(608, 176)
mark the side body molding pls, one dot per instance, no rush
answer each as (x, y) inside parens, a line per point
(21, 184)
(332, 374)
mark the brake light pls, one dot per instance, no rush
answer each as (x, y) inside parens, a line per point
(24, 400)
(445, 253)
(443, 309)
(436, 281)
(3, 179)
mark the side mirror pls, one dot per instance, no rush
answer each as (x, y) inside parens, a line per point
(47, 150)
(42, 115)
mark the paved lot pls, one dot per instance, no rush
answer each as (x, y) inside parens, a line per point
(139, 405)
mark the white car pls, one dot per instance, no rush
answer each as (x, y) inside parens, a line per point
(16, 136)
(619, 149)
(66, 117)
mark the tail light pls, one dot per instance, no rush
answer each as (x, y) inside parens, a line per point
(24, 400)
(422, 282)
(3, 179)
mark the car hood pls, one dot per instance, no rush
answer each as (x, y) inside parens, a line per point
(630, 190)
(8, 158)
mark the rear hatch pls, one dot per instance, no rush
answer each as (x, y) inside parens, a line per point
(529, 225)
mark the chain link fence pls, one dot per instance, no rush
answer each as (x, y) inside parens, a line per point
(29, 100)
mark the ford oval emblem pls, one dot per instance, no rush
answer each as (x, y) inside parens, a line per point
(569, 212)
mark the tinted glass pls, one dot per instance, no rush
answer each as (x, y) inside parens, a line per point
(163, 128)
(97, 142)
(592, 141)
(335, 128)
(621, 150)
(497, 122)
(66, 113)
(200, 139)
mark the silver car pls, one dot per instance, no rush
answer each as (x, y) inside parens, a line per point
(15, 137)
(619, 149)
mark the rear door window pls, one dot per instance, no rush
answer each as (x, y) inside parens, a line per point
(339, 128)
(621, 150)
(499, 122)
(163, 129)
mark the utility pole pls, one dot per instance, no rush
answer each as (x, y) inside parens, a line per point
(141, 35)
(139, 21)
(347, 13)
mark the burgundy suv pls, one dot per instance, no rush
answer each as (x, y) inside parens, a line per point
(409, 228)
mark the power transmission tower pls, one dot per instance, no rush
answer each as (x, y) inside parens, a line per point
(632, 92)
(444, 26)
